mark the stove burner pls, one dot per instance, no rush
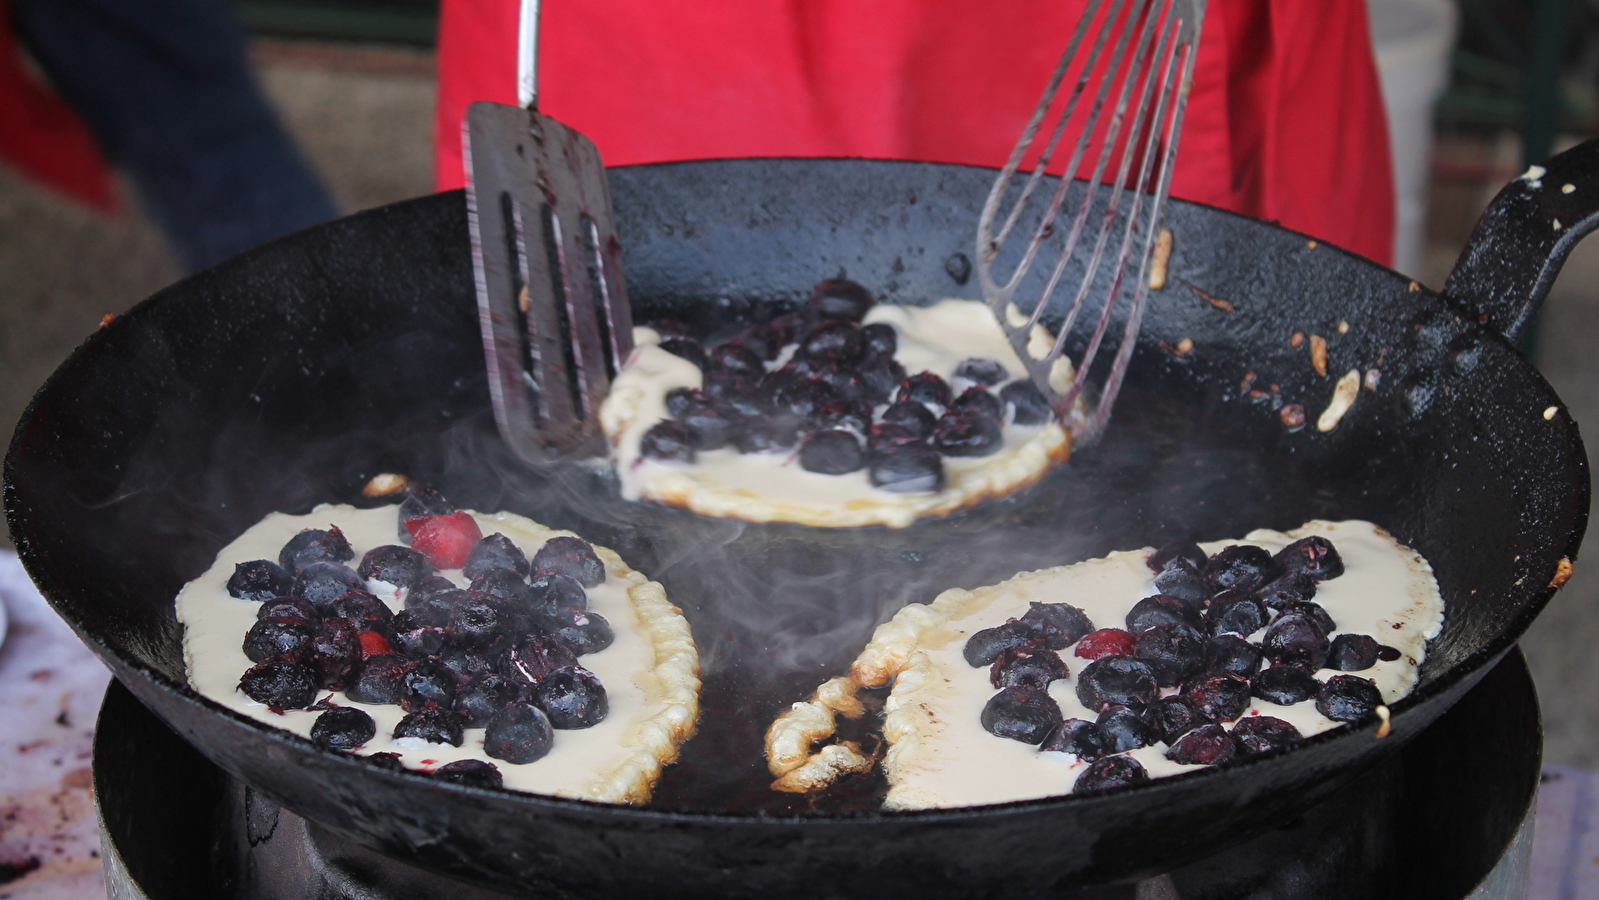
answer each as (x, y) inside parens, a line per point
(1428, 822)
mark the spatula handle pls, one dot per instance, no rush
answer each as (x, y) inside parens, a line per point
(527, 56)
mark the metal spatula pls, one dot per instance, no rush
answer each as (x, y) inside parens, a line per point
(551, 299)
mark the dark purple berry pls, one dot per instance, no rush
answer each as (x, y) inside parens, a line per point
(1116, 681)
(844, 416)
(735, 395)
(1284, 685)
(280, 684)
(287, 607)
(1185, 584)
(913, 416)
(908, 469)
(320, 583)
(1173, 652)
(502, 584)
(687, 348)
(484, 696)
(982, 371)
(1231, 653)
(1387, 653)
(551, 593)
(1171, 718)
(1313, 557)
(801, 398)
(366, 611)
(1218, 696)
(767, 434)
(572, 698)
(790, 327)
(881, 339)
(1287, 590)
(278, 638)
(1083, 738)
(840, 298)
(393, 564)
(586, 632)
(985, 646)
(259, 579)
(1235, 612)
(380, 681)
(314, 545)
(1161, 610)
(1207, 745)
(832, 453)
(967, 432)
(431, 723)
(1110, 772)
(1021, 714)
(413, 639)
(735, 357)
(388, 761)
(472, 773)
(1243, 567)
(495, 552)
(343, 728)
(761, 339)
(1060, 624)
(845, 381)
(477, 619)
(1295, 640)
(432, 610)
(1026, 404)
(927, 389)
(836, 341)
(1028, 666)
(335, 652)
(1262, 734)
(1315, 612)
(536, 658)
(881, 375)
(979, 400)
(570, 556)
(706, 425)
(1348, 698)
(667, 440)
(1126, 729)
(1178, 553)
(429, 681)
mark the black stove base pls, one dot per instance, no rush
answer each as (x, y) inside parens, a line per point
(1430, 822)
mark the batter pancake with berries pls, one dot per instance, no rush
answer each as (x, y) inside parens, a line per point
(483, 648)
(1134, 666)
(845, 413)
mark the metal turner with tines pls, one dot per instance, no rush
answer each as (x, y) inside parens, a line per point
(551, 299)
(1126, 73)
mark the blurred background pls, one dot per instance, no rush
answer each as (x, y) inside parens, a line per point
(1475, 89)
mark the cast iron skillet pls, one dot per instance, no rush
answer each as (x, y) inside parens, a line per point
(287, 376)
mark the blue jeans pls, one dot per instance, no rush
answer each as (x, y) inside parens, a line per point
(167, 90)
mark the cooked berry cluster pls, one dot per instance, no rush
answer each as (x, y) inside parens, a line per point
(819, 380)
(1183, 666)
(501, 654)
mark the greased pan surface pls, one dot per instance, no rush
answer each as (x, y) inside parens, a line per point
(288, 375)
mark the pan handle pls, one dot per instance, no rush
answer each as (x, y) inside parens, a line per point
(1523, 239)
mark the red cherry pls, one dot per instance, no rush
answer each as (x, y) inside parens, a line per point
(446, 541)
(1105, 642)
(374, 644)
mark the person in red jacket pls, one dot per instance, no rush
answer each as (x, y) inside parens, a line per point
(1285, 120)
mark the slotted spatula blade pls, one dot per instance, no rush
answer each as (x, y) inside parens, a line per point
(552, 303)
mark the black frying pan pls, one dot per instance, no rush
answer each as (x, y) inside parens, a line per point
(287, 376)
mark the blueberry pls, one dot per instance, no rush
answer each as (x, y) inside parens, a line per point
(1161, 610)
(572, 698)
(1348, 698)
(1387, 653)
(431, 723)
(495, 552)
(413, 639)
(1286, 590)
(1315, 612)
(484, 696)
(1116, 681)
(836, 341)
(1021, 714)
(1231, 653)
(472, 773)
(314, 545)
(882, 375)
(536, 658)
(762, 340)
(1235, 612)
(982, 371)
(335, 652)
(287, 607)
(790, 327)
(421, 501)
(840, 298)
(427, 586)
(881, 339)
(767, 434)
(832, 452)
(585, 632)
(1185, 554)
(429, 681)
(1297, 640)
(736, 395)
(1284, 685)
(433, 609)
(687, 348)
(320, 583)
(1173, 651)
(1080, 737)
(1262, 734)
(280, 684)
(572, 557)
(912, 416)
(1026, 403)
(927, 389)
(259, 579)
(1185, 584)
(1029, 666)
(985, 646)
(388, 761)
(706, 425)
(520, 733)
(380, 681)
(1314, 557)
(503, 584)
(278, 637)
(477, 619)
(735, 357)
(846, 382)
(667, 440)
(1060, 624)
(1218, 696)
(396, 565)
(1126, 729)
(1171, 718)
(801, 397)
(845, 416)
(555, 591)
(366, 611)
(1110, 772)
(967, 432)
(913, 468)
(981, 401)
(1241, 566)
(887, 438)
(343, 728)
(1207, 745)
